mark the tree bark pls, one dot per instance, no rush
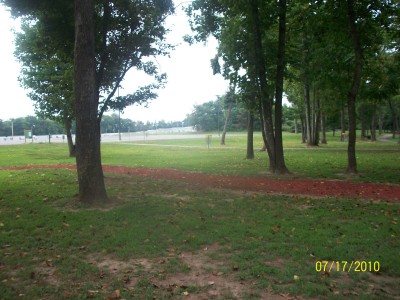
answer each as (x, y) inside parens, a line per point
(280, 166)
(88, 156)
(296, 125)
(260, 70)
(352, 95)
(250, 133)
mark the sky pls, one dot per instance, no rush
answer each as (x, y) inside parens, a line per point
(190, 78)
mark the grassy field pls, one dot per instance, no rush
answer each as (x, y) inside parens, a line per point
(162, 239)
(377, 162)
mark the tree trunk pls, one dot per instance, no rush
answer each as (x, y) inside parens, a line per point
(260, 69)
(363, 133)
(308, 114)
(373, 128)
(317, 120)
(71, 146)
(280, 166)
(227, 117)
(343, 120)
(296, 125)
(351, 101)
(323, 128)
(303, 131)
(250, 132)
(88, 158)
(380, 124)
(394, 115)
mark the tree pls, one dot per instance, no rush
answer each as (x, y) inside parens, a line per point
(88, 158)
(249, 41)
(124, 32)
(48, 74)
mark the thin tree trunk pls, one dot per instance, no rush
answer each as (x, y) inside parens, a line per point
(351, 149)
(296, 125)
(250, 133)
(316, 124)
(380, 124)
(88, 158)
(323, 128)
(373, 128)
(308, 113)
(67, 126)
(303, 131)
(363, 133)
(227, 117)
(394, 116)
(343, 120)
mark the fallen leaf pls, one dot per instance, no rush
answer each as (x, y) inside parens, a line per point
(92, 293)
(115, 295)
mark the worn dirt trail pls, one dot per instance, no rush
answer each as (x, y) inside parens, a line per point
(307, 187)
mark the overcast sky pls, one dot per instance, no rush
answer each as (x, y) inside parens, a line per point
(190, 78)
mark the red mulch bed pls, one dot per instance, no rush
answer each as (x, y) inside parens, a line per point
(309, 187)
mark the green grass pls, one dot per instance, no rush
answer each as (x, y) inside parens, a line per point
(377, 162)
(152, 236)
(54, 248)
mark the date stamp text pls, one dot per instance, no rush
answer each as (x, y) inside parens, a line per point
(347, 266)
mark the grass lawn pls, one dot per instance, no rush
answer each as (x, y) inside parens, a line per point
(163, 239)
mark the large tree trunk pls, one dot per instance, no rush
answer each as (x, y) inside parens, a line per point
(68, 126)
(351, 101)
(280, 166)
(227, 117)
(88, 158)
(250, 132)
(260, 69)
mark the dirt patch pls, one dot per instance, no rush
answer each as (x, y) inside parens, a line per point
(307, 187)
(203, 277)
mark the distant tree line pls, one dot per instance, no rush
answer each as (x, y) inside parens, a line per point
(210, 116)
(109, 124)
(38, 126)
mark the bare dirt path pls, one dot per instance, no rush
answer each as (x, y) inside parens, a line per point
(306, 187)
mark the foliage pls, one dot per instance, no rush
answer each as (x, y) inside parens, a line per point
(126, 37)
(207, 116)
(39, 126)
